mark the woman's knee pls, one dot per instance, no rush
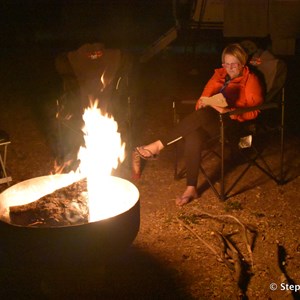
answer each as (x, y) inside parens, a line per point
(193, 138)
(194, 142)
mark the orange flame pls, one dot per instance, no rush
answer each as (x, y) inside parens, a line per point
(102, 153)
(107, 195)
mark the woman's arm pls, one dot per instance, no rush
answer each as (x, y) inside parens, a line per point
(211, 88)
(254, 96)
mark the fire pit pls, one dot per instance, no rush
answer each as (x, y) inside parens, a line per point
(95, 242)
(112, 204)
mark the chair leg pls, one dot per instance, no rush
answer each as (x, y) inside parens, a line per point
(222, 187)
(5, 179)
(176, 164)
(176, 149)
(281, 175)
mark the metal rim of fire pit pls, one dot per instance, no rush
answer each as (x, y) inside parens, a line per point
(87, 244)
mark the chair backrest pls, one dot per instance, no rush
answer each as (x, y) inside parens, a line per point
(272, 70)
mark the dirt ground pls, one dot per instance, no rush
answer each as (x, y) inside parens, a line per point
(178, 252)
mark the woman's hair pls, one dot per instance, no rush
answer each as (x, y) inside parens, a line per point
(237, 51)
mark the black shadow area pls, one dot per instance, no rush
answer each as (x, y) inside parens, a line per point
(136, 275)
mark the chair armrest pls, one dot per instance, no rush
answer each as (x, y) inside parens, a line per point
(264, 106)
(188, 102)
(238, 111)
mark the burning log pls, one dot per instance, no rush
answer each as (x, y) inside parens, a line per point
(64, 207)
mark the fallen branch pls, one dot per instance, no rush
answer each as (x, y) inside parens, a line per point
(200, 239)
(235, 255)
(224, 252)
(244, 228)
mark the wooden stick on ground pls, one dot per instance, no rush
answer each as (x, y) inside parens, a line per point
(244, 228)
(200, 239)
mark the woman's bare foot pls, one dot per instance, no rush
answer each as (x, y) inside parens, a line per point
(150, 151)
(189, 195)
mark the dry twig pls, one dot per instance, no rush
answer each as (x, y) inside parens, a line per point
(200, 239)
(235, 255)
(243, 226)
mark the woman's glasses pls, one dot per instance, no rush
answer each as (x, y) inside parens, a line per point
(231, 65)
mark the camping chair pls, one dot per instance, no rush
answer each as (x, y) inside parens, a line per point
(95, 72)
(274, 75)
(4, 142)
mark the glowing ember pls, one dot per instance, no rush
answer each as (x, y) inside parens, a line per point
(102, 152)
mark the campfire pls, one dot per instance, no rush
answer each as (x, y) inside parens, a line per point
(102, 216)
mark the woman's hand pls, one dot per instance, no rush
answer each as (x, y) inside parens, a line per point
(221, 110)
(199, 104)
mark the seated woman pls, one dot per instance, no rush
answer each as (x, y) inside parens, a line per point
(239, 86)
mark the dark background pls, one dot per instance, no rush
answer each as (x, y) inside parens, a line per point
(34, 32)
(117, 23)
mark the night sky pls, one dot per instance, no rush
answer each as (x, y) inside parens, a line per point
(34, 32)
(120, 23)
